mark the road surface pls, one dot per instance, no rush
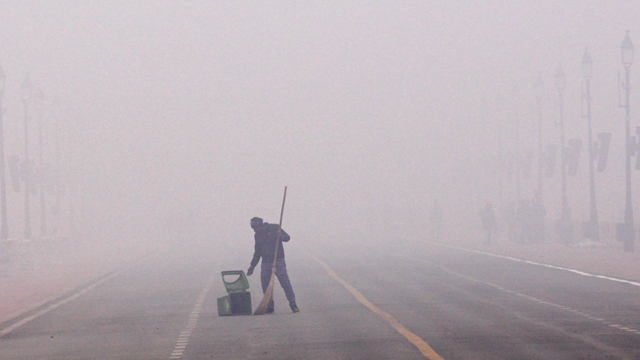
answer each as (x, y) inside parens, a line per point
(416, 301)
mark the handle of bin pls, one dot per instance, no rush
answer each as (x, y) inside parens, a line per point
(240, 274)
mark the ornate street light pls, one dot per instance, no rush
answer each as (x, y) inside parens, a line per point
(587, 65)
(55, 106)
(4, 228)
(38, 105)
(565, 227)
(626, 51)
(593, 228)
(539, 205)
(518, 167)
(25, 96)
(539, 92)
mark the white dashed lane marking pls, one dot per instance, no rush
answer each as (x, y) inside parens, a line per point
(534, 299)
(183, 338)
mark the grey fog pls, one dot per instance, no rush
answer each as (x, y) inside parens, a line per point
(160, 128)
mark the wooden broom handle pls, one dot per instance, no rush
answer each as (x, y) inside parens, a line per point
(275, 257)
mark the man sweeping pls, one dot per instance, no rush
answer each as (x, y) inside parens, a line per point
(266, 240)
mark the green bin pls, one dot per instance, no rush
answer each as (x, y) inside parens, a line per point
(238, 300)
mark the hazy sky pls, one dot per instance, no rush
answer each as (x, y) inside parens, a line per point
(364, 109)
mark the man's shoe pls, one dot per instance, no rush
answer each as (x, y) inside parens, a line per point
(295, 309)
(269, 311)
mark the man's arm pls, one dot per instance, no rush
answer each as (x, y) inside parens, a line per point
(256, 255)
(254, 260)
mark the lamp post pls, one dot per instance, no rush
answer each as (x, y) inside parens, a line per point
(539, 206)
(27, 88)
(500, 156)
(38, 105)
(514, 229)
(627, 59)
(538, 87)
(518, 169)
(566, 230)
(587, 72)
(56, 207)
(4, 228)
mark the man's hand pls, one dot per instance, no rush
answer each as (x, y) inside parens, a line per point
(250, 271)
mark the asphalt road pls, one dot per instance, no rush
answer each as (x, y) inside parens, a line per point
(413, 302)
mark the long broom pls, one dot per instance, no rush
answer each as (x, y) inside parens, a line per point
(268, 294)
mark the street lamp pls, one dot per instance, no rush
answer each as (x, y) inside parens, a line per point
(538, 206)
(518, 168)
(593, 229)
(27, 89)
(565, 228)
(514, 206)
(56, 206)
(38, 105)
(627, 59)
(4, 229)
(539, 90)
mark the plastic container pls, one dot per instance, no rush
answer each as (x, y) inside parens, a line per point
(238, 300)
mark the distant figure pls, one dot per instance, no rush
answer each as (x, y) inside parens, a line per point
(512, 221)
(266, 240)
(525, 223)
(488, 218)
(436, 216)
(538, 214)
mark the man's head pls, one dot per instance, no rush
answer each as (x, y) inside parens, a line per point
(256, 222)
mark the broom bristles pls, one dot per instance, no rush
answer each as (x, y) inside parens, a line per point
(268, 294)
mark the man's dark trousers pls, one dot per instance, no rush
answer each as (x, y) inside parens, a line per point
(283, 278)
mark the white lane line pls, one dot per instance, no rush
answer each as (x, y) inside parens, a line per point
(183, 338)
(71, 297)
(579, 272)
(528, 297)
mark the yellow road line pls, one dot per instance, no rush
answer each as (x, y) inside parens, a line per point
(414, 339)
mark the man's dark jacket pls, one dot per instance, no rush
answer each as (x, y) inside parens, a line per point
(266, 237)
